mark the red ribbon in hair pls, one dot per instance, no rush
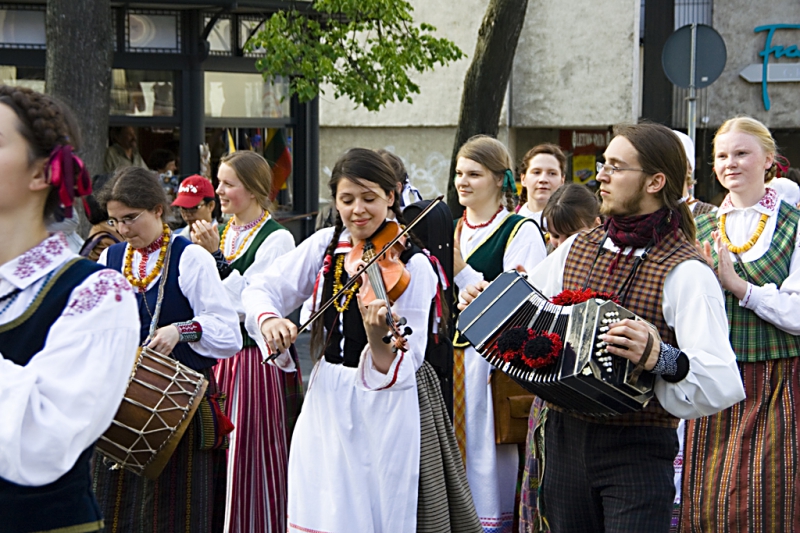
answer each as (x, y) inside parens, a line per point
(783, 166)
(67, 173)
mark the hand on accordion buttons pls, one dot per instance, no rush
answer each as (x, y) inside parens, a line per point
(471, 292)
(628, 338)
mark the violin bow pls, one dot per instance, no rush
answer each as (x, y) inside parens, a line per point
(357, 275)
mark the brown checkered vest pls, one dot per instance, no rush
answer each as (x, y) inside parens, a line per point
(643, 297)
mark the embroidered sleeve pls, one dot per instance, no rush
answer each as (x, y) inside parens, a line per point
(190, 330)
(108, 284)
(672, 364)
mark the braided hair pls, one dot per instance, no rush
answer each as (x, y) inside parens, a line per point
(45, 123)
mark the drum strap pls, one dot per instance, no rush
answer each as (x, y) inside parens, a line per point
(160, 299)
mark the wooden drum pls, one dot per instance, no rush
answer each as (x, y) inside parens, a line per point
(158, 406)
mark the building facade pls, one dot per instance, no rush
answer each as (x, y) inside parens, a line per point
(579, 69)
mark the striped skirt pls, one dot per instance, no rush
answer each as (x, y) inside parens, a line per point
(188, 496)
(740, 471)
(263, 403)
(444, 502)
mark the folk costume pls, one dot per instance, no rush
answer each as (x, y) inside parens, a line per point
(263, 401)
(189, 494)
(371, 452)
(616, 474)
(68, 331)
(741, 465)
(507, 241)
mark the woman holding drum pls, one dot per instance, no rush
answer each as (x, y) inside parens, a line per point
(263, 400)
(68, 328)
(195, 323)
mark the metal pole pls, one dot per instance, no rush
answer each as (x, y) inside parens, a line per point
(691, 112)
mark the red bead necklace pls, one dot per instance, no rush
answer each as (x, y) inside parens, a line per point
(483, 225)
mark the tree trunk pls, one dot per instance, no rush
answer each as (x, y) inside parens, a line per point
(487, 78)
(78, 70)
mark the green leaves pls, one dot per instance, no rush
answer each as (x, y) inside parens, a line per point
(366, 49)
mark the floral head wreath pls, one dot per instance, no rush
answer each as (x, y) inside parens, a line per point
(66, 172)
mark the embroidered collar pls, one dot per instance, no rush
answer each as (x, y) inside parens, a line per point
(42, 259)
(768, 204)
(250, 225)
(152, 247)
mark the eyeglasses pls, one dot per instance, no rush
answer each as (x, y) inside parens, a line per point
(124, 221)
(192, 209)
(610, 169)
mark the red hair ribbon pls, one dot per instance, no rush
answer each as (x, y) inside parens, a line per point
(783, 165)
(67, 173)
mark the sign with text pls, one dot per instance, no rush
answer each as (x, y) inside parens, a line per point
(776, 72)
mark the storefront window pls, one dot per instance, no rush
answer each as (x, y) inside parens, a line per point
(22, 28)
(219, 39)
(143, 93)
(274, 144)
(32, 78)
(153, 32)
(240, 95)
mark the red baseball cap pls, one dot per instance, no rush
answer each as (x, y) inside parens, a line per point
(192, 191)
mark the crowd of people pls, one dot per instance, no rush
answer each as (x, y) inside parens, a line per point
(373, 445)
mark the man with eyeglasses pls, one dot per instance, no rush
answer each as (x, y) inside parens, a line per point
(615, 474)
(196, 202)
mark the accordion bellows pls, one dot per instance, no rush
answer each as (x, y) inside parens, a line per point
(585, 378)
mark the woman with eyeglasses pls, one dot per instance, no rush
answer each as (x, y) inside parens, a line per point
(197, 325)
(489, 239)
(264, 400)
(68, 332)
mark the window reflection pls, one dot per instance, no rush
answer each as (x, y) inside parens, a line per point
(22, 28)
(147, 93)
(154, 32)
(240, 95)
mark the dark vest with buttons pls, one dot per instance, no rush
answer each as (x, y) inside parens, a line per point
(69, 501)
(175, 308)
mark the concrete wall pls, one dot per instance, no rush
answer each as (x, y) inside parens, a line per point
(577, 64)
(731, 95)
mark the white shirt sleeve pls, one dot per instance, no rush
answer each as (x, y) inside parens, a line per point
(414, 304)
(526, 249)
(275, 245)
(779, 306)
(60, 403)
(199, 282)
(283, 287)
(694, 307)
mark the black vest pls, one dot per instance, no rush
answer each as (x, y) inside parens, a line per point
(69, 500)
(176, 308)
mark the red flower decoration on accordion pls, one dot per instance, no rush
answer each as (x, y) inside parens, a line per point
(529, 348)
(578, 296)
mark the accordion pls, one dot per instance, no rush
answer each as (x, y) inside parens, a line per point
(583, 378)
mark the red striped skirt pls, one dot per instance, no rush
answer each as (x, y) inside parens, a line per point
(262, 404)
(740, 471)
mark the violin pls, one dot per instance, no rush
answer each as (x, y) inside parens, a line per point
(354, 278)
(386, 278)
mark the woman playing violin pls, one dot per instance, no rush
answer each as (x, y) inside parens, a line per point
(373, 431)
